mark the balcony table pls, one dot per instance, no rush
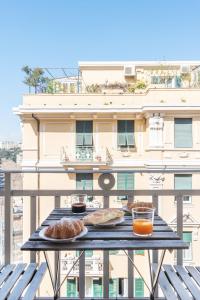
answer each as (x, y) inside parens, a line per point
(119, 237)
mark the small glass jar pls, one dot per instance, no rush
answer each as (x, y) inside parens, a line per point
(78, 203)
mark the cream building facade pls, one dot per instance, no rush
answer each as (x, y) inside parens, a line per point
(117, 116)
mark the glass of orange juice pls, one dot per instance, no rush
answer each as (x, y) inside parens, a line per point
(143, 218)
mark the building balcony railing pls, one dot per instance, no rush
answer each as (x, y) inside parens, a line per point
(85, 154)
(71, 81)
(94, 266)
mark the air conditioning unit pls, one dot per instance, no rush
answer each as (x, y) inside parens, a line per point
(185, 69)
(129, 71)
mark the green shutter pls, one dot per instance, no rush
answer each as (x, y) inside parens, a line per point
(84, 181)
(125, 133)
(113, 252)
(125, 181)
(183, 182)
(130, 133)
(88, 253)
(97, 288)
(183, 133)
(139, 287)
(139, 252)
(113, 288)
(84, 133)
(71, 288)
(187, 237)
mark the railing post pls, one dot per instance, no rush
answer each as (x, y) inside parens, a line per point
(82, 276)
(8, 219)
(155, 252)
(57, 253)
(179, 210)
(106, 274)
(131, 276)
(33, 224)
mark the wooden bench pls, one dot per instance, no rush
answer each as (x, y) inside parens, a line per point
(179, 282)
(14, 279)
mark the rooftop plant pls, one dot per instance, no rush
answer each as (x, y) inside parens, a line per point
(35, 78)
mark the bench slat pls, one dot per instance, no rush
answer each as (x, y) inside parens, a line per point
(194, 273)
(5, 290)
(35, 282)
(165, 285)
(23, 282)
(6, 272)
(176, 283)
(187, 279)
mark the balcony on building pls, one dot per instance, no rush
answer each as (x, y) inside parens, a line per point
(86, 157)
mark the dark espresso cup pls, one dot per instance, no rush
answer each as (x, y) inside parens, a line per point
(79, 203)
(78, 208)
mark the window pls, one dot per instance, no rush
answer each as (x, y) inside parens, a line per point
(125, 134)
(139, 287)
(88, 253)
(97, 288)
(113, 288)
(71, 288)
(84, 182)
(139, 252)
(113, 252)
(187, 253)
(183, 132)
(84, 133)
(183, 182)
(125, 181)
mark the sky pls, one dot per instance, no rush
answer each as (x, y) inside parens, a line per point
(59, 33)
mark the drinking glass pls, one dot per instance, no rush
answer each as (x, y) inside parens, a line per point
(143, 219)
(78, 202)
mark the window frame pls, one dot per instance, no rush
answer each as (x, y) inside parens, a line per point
(183, 147)
(190, 196)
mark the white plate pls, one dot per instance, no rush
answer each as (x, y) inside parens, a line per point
(43, 236)
(111, 223)
(126, 209)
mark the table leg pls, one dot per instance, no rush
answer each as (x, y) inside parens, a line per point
(158, 271)
(155, 281)
(134, 265)
(54, 281)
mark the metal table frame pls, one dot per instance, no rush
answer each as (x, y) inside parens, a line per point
(103, 238)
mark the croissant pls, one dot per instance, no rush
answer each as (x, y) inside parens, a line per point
(65, 228)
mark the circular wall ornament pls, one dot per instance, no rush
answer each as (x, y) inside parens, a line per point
(106, 181)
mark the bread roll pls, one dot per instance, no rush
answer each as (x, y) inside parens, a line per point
(102, 216)
(140, 204)
(64, 229)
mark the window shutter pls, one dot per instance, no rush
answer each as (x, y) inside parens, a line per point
(183, 182)
(130, 133)
(125, 181)
(71, 288)
(125, 136)
(88, 132)
(84, 132)
(187, 237)
(84, 181)
(113, 288)
(183, 133)
(139, 287)
(129, 181)
(139, 252)
(97, 288)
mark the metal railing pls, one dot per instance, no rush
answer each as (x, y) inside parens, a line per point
(85, 154)
(8, 193)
